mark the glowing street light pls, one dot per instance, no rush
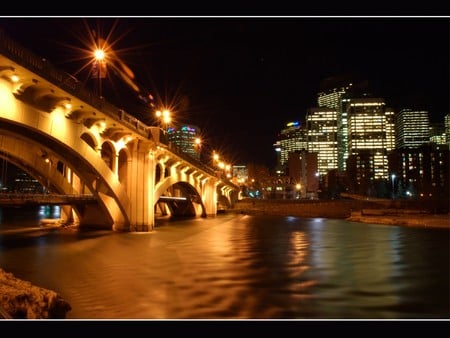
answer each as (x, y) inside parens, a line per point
(393, 188)
(198, 146)
(100, 66)
(164, 117)
(298, 187)
(215, 157)
(99, 54)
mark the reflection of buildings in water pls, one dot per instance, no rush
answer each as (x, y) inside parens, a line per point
(49, 211)
(329, 254)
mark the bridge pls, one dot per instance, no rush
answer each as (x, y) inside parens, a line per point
(78, 144)
(21, 199)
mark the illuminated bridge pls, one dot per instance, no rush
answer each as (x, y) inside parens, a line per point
(77, 144)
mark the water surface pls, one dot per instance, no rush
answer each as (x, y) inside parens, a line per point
(236, 267)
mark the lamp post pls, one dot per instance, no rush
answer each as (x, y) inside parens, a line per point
(99, 56)
(392, 184)
(298, 187)
(198, 147)
(164, 118)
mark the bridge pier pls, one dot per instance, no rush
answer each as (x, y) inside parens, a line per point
(209, 196)
(141, 187)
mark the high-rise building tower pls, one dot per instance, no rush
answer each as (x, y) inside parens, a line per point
(184, 139)
(335, 93)
(437, 133)
(447, 129)
(412, 128)
(367, 125)
(291, 138)
(390, 129)
(321, 128)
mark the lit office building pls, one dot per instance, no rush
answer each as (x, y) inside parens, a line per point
(23, 183)
(447, 129)
(303, 172)
(412, 128)
(278, 168)
(390, 129)
(291, 138)
(437, 133)
(336, 93)
(421, 171)
(240, 173)
(185, 139)
(321, 126)
(367, 124)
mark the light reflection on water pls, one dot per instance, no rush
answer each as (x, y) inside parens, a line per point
(238, 266)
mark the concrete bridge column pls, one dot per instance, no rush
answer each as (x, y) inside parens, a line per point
(209, 196)
(141, 187)
(67, 215)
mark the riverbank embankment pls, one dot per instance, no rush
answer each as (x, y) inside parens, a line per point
(401, 217)
(366, 211)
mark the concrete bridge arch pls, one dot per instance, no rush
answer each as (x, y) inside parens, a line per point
(40, 159)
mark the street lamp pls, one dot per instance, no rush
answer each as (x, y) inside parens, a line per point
(164, 117)
(198, 147)
(393, 188)
(100, 63)
(298, 187)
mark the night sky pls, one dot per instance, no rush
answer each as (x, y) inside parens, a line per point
(240, 80)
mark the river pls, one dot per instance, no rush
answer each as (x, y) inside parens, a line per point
(234, 266)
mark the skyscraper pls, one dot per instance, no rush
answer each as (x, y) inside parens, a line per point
(335, 93)
(291, 138)
(437, 133)
(183, 139)
(412, 128)
(447, 129)
(367, 124)
(321, 126)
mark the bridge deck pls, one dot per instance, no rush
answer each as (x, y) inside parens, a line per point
(10, 199)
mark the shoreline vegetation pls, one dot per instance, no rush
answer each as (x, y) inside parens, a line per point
(429, 214)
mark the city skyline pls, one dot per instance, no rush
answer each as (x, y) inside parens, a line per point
(242, 79)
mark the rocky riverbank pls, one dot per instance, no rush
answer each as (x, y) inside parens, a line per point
(22, 300)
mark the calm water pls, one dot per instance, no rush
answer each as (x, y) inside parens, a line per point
(235, 266)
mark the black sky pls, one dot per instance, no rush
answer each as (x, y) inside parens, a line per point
(242, 79)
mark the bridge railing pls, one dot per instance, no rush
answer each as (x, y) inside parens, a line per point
(67, 82)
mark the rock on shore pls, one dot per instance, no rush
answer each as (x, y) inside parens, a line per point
(21, 300)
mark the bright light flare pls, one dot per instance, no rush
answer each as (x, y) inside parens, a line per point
(97, 49)
(99, 54)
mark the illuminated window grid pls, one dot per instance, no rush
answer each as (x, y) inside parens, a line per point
(292, 138)
(367, 125)
(413, 128)
(322, 138)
